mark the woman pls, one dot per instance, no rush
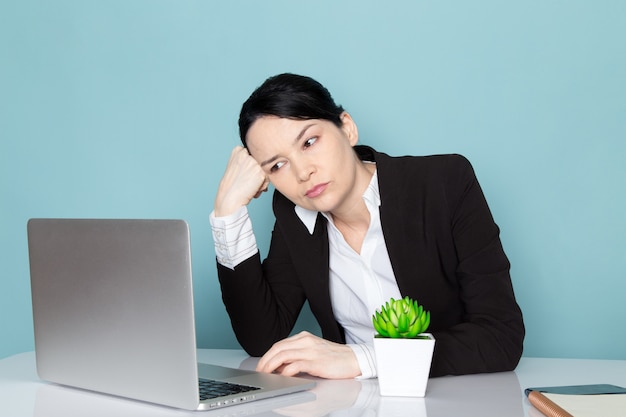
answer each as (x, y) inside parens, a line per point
(353, 228)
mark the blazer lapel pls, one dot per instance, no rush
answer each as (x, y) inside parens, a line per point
(310, 256)
(401, 224)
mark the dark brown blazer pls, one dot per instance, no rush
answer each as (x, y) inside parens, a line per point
(445, 252)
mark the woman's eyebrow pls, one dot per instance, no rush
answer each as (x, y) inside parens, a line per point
(296, 140)
(269, 161)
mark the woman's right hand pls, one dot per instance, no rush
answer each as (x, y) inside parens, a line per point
(243, 180)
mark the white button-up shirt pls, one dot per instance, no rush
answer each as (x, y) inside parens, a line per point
(359, 282)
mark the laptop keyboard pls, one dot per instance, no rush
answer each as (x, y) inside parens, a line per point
(213, 389)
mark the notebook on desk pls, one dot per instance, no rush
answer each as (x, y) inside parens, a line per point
(592, 400)
(113, 313)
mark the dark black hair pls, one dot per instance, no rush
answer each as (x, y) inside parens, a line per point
(289, 96)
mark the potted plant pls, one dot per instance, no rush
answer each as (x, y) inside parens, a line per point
(403, 350)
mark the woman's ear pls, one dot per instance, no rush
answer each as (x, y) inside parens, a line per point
(349, 128)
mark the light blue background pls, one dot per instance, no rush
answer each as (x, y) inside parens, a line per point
(125, 108)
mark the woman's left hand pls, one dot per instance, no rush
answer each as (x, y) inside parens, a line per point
(310, 354)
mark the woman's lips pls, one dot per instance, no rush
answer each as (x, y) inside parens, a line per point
(316, 190)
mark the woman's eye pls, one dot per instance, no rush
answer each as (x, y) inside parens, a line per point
(309, 142)
(277, 166)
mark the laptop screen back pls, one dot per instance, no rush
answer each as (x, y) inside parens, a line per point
(113, 307)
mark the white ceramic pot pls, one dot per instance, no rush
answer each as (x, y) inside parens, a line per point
(404, 365)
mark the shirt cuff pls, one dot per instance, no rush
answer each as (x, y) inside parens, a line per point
(233, 237)
(366, 358)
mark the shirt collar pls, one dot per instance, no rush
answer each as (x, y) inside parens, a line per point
(371, 197)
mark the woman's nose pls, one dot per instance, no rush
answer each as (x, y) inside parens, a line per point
(303, 169)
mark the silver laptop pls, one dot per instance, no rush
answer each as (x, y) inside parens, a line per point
(113, 313)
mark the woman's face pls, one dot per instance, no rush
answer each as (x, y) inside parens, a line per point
(311, 162)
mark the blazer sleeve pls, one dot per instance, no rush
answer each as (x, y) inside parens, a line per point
(263, 306)
(489, 335)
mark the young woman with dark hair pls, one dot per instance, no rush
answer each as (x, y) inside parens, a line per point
(353, 228)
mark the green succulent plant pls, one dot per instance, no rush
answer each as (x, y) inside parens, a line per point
(403, 318)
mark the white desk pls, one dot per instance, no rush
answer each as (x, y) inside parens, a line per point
(23, 394)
